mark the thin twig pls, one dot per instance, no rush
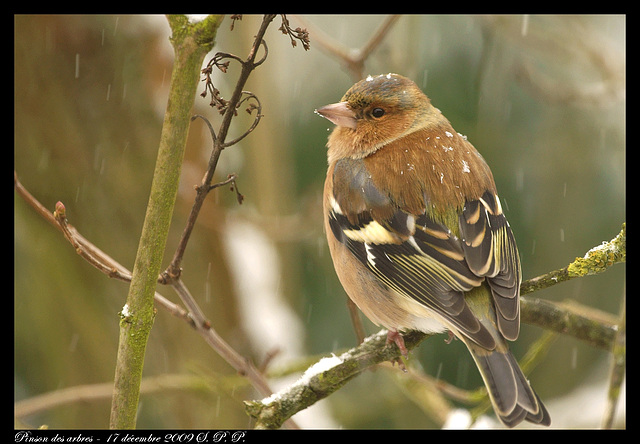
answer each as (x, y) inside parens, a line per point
(99, 258)
(219, 143)
(295, 34)
(86, 249)
(242, 365)
(102, 391)
(356, 321)
(231, 179)
(352, 59)
(258, 107)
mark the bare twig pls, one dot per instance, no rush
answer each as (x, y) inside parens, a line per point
(204, 327)
(99, 258)
(219, 140)
(194, 316)
(352, 59)
(231, 179)
(356, 321)
(103, 391)
(85, 249)
(295, 34)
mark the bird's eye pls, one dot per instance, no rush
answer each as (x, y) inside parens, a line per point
(377, 112)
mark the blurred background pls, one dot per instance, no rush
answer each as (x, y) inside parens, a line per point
(541, 97)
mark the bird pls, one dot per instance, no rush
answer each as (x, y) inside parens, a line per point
(417, 234)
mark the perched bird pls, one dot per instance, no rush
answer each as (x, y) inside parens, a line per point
(417, 234)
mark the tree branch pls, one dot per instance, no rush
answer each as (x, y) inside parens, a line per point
(191, 42)
(88, 250)
(329, 374)
(102, 391)
(352, 59)
(595, 261)
(618, 369)
(324, 378)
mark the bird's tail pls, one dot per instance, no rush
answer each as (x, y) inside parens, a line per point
(512, 397)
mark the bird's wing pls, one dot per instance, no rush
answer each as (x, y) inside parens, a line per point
(422, 259)
(490, 250)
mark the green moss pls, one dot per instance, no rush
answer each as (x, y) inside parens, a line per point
(599, 258)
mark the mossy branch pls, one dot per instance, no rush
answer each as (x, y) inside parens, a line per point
(191, 42)
(329, 374)
(324, 378)
(595, 261)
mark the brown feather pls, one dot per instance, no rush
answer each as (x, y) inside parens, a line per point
(432, 169)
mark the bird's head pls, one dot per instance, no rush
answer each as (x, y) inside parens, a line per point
(376, 111)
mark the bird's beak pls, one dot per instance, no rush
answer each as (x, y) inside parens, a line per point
(339, 113)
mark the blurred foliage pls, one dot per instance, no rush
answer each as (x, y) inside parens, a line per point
(89, 96)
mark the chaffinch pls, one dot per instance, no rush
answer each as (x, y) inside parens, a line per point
(417, 234)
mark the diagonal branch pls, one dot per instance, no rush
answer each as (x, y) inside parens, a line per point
(595, 261)
(329, 374)
(89, 251)
(324, 378)
(352, 59)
